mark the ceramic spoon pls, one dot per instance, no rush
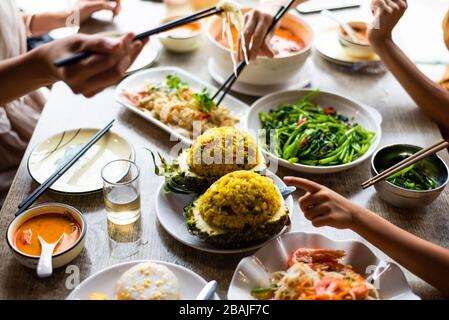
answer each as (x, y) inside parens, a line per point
(351, 33)
(208, 291)
(45, 265)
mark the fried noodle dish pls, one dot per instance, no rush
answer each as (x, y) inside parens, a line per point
(183, 108)
(317, 274)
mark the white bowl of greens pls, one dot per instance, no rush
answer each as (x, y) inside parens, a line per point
(313, 131)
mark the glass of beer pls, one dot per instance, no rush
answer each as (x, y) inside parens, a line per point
(121, 191)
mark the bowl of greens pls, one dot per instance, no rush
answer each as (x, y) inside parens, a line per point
(314, 131)
(415, 186)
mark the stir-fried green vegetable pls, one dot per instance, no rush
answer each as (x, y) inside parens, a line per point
(308, 134)
(413, 178)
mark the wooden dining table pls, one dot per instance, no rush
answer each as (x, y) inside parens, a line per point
(403, 122)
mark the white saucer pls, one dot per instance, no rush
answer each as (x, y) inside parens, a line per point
(329, 48)
(301, 80)
(85, 175)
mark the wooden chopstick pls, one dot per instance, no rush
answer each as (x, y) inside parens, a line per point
(171, 25)
(25, 204)
(423, 153)
(227, 85)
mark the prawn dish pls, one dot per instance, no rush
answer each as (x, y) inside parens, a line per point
(317, 274)
(185, 109)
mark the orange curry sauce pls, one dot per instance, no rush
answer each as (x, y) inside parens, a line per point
(50, 227)
(284, 42)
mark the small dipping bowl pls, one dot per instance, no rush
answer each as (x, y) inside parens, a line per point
(400, 197)
(59, 259)
(176, 41)
(360, 50)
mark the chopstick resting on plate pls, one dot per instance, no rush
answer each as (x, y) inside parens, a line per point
(25, 204)
(171, 25)
(227, 85)
(423, 153)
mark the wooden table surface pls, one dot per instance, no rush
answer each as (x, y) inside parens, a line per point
(403, 123)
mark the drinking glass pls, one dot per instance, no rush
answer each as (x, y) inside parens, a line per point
(121, 191)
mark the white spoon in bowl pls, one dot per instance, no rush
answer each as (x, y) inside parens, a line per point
(45, 265)
(346, 27)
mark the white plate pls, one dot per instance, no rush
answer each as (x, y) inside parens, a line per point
(300, 80)
(254, 271)
(169, 211)
(328, 46)
(148, 56)
(105, 280)
(366, 116)
(136, 81)
(85, 175)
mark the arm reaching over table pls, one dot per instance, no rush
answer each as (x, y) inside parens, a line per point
(428, 95)
(257, 23)
(28, 72)
(41, 23)
(324, 207)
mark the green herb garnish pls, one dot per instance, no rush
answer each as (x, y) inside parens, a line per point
(203, 102)
(175, 83)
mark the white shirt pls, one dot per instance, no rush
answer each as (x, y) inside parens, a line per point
(17, 118)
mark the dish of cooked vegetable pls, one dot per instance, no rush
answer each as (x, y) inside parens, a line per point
(317, 274)
(181, 107)
(413, 177)
(215, 153)
(309, 134)
(239, 209)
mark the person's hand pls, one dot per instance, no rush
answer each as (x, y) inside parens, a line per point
(94, 74)
(257, 23)
(322, 206)
(387, 14)
(88, 7)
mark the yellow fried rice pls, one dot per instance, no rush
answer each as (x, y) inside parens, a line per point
(222, 150)
(240, 199)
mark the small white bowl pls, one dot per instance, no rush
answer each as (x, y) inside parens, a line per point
(178, 43)
(59, 259)
(358, 50)
(264, 71)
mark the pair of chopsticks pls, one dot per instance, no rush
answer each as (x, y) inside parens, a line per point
(171, 25)
(227, 85)
(423, 153)
(25, 204)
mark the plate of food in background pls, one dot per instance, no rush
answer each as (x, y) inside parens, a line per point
(141, 280)
(222, 207)
(149, 55)
(333, 45)
(310, 266)
(178, 102)
(314, 132)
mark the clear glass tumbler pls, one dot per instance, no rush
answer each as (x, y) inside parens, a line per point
(121, 191)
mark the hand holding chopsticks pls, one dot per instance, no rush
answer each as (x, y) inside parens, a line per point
(227, 85)
(171, 25)
(440, 145)
(25, 204)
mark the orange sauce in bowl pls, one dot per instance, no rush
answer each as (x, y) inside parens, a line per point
(50, 226)
(184, 31)
(284, 42)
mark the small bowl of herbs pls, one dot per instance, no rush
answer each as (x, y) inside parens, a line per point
(417, 185)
